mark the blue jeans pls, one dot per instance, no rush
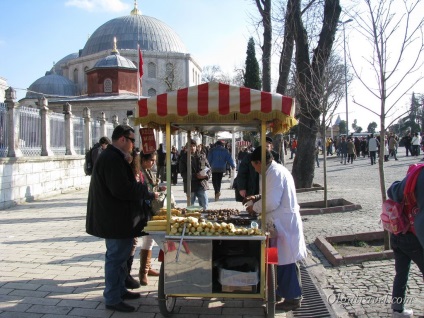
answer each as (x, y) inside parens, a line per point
(406, 248)
(202, 196)
(117, 253)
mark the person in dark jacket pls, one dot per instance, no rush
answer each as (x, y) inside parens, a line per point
(407, 247)
(114, 213)
(102, 145)
(161, 164)
(270, 147)
(343, 150)
(200, 173)
(247, 181)
(407, 142)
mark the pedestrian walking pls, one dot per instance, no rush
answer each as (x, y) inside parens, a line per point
(218, 158)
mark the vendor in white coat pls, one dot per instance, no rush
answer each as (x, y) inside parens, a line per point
(284, 222)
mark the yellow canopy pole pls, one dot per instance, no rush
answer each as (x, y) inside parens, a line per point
(168, 173)
(263, 172)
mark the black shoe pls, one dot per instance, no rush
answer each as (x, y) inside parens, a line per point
(131, 295)
(131, 283)
(123, 307)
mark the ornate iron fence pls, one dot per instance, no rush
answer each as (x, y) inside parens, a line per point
(57, 133)
(78, 135)
(29, 131)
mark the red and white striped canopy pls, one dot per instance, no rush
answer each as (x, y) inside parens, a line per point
(216, 102)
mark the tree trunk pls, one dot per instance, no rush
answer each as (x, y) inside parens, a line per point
(287, 52)
(304, 161)
(265, 12)
(309, 78)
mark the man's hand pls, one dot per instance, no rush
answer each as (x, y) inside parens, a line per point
(242, 193)
(200, 177)
(249, 198)
(250, 210)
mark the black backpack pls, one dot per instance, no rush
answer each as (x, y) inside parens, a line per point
(88, 163)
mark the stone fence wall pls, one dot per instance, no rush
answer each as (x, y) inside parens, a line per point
(25, 179)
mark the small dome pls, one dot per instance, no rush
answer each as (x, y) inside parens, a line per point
(52, 85)
(114, 60)
(57, 66)
(152, 35)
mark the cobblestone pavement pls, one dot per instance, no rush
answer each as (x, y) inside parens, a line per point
(51, 268)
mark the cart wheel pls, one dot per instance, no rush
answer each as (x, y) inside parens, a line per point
(270, 303)
(166, 304)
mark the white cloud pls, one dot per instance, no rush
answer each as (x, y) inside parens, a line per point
(102, 5)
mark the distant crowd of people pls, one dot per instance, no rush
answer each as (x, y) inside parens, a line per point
(351, 148)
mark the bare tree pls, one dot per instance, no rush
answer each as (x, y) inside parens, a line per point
(310, 72)
(172, 76)
(264, 8)
(211, 73)
(394, 31)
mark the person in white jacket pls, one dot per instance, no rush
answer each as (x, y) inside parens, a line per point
(416, 142)
(284, 222)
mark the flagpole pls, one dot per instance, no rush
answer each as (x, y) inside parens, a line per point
(138, 73)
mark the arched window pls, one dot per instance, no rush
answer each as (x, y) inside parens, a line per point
(151, 92)
(76, 76)
(107, 85)
(151, 70)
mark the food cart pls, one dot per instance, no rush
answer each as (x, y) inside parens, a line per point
(191, 263)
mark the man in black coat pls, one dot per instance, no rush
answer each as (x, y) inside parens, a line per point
(247, 181)
(407, 142)
(114, 213)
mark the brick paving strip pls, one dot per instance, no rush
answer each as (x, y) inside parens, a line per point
(51, 268)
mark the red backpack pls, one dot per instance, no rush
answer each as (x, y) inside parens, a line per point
(400, 217)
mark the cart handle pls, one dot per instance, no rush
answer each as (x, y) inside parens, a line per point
(181, 243)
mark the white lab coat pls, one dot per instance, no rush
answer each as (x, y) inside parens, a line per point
(282, 211)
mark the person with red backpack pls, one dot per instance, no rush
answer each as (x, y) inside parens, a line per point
(408, 247)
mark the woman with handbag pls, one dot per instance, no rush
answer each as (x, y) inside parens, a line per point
(147, 161)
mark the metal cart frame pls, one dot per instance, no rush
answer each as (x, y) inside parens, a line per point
(256, 120)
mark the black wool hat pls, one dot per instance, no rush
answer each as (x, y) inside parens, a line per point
(219, 143)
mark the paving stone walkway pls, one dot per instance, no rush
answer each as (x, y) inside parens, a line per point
(51, 268)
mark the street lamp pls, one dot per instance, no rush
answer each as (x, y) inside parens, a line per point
(345, 71)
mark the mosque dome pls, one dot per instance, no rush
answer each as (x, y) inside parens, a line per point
(57, 66)
(52, 85)
(114, 60)
(150, 33)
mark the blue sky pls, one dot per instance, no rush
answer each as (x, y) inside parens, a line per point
(37, 33)
(34, 34)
